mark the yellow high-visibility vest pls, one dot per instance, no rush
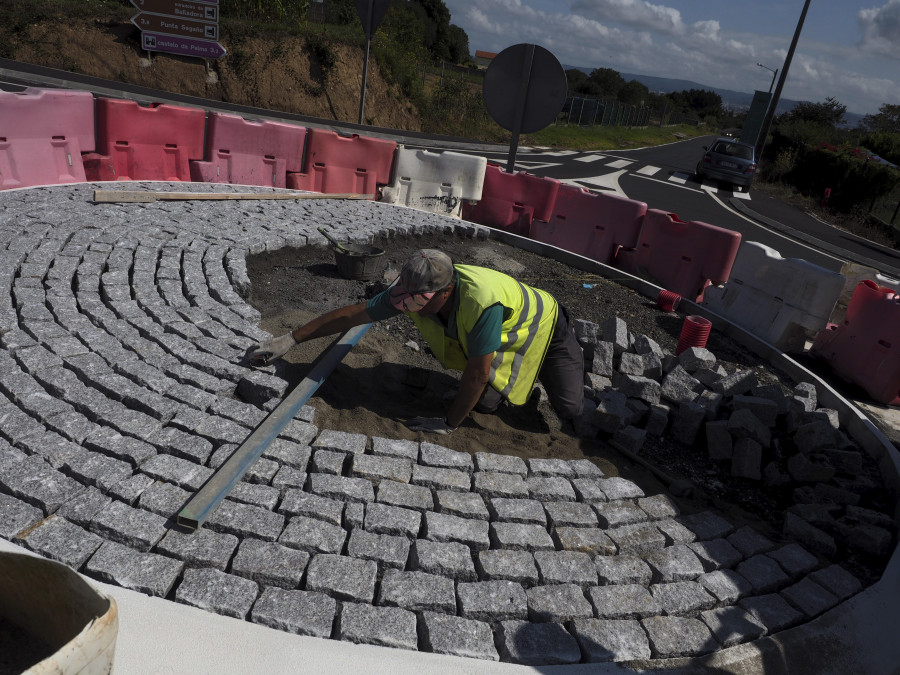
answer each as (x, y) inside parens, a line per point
(529, 319)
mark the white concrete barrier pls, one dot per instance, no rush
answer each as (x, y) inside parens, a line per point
(435, 181)
(784, 301)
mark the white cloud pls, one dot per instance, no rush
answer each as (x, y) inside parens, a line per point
(636, 13)
(881, 29)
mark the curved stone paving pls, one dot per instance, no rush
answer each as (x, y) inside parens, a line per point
(121, 329)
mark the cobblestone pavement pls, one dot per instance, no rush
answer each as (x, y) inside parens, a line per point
(122, 326)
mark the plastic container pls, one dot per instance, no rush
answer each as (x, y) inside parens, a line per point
(694, 333)
(52, 604)
(667, 301)
(359, 261)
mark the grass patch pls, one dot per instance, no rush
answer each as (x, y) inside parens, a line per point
(609, 138)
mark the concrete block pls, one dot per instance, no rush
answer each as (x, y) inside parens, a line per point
(381, 626)
(602, 359)
(448, 559)
(462, 504)
(300, 503)
(750, 542)
(58, 539)
(794, 559)
(679, 387)
(550, 488)
(625, 601)
(611, 412)
(342, 488)
(407, 496)
(764, 409)
(658, 507)
(79, 510)
(417, 591)
(566, 567)
(520, 537)
(244, 520)
(395, 448)
(737, 383)
(342, 577)
(340, 441)
(215, 591)
(603, 641)
(744, 424)
(442, 479)
(570, 514)
(812, 537)
(810, 468)
(674, 563)
(718, 441)
(139, 529)
(558, 603)
(588, 490)
(837, 580)
(298, 612)
(200, 548)
(505, 565)
(490, 461)
(630, 438)
(622, 570)
(695, 358)
(313, 535)
(393, 520)
(536, 644)
(441, 527)
(16, 515)
(456, 636)
(809, 597)
(657, 419)
(639, 538)
(614, 514)
(431, 454)
(328, 461)
(492, 600)
(499, 485)
(681, 597)
(269, 564)
(615, 330)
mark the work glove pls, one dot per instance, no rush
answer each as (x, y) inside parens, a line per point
(267, 352)
(433, 425)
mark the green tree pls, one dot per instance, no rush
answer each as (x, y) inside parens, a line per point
(699, 102)
(634, 93)
(830, 113)
(608, 81)
(887, 120)
(458, 42)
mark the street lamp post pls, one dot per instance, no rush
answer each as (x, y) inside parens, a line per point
(774, 75)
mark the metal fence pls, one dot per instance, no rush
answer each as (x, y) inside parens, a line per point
(586, 111)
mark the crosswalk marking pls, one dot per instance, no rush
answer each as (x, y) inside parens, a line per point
(620, 163)
(742, 195)
(590, 158)
(680, 179)
(561, 153)
(648, 170)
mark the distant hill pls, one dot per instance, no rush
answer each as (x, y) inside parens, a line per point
(731, 100)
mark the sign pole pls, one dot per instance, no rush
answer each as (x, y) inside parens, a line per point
(362, 95)
(516, 130)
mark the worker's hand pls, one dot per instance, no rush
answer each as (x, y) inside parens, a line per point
(433, 425)
(267, 352)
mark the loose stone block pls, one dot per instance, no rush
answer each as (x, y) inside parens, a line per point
(550, 489)
(393, 520)
(388, 551)
(520, 537)
(417, 591)
(681, 597)
(443, 528)
(354, 515)
(810, 536)
(183, 473)
(622, 570)
(679, 387)
(342, 577)
(611, 412)
(443, 634)
(382, 626)
(79, 510)
(539, 466)
(639, 538)
(588, 490)
(130, 489)
(614, 514)
(244, 520)
(139, 529)
(92, 468)
(732, 625)
(301, 503)
(143, 572)
(288, 477)
(570, 514)
(672, 636)
(716, 554)
(688, 419)
(566, 567)
(657, 419)
(750, 542)
(674, 563)
(558, 603)
(462, 504)
(448, 559)
(37, 483)
(772, 611)
(694, 358)
(517, 566)
(763, 573)
(217, 592)
(313, 536)
(395, 448)
(726, 585)
(342, 488)
(603, 641)
(764, 409)
(299, 612)
(593, 541)
(809, 597)
(200, 548)
(163, 499)
(489, 461)
(328, 461)
(706, 525)
(527, 511)
(837, 580)
(492, 600)
(627, 601)
(264, 496)
(619, 488)
(441, 479)
(658, 507)
(16, 515)
(406, 496)
(536, 644)
(794, 559)
(499, 485)
(376, 468)
(631, 438)
(431, 454)
(340, 441)
(744, 424)
(269, 564)
(58, 539)
(585, 468)
(746, 459)
(674, 532)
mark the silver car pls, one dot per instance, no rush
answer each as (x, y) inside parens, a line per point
(730, 161)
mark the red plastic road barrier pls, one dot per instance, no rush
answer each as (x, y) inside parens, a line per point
(244, 152)
(667, 300)
(684, 257)
(694, 333)
(592, 225)
(145, 143)
(511, 201)
(865, 347)
(42, 135)
(336, 163)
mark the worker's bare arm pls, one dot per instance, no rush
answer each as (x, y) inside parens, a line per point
(471, 386)
(335, 321)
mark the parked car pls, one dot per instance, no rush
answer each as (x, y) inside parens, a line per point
(730, 161)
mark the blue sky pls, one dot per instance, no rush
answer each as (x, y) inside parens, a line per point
(849, 49)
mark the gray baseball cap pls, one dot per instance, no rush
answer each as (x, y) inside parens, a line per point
(424, 273)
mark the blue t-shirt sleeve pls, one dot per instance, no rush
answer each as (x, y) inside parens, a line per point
(380, 308)
(484, 338)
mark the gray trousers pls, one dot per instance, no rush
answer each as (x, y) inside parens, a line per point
(562, 373)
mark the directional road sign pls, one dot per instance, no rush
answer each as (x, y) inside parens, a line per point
(158, 23)
(199, 10)
(202, 49)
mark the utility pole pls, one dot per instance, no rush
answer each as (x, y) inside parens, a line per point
(761, 141)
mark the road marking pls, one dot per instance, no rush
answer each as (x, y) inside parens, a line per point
(742, 195)
(590, 158)
(609, 181)
(680, 179)
(706, 187)
(562, 153)
(648, 170)
(620, 163)
(531, 166)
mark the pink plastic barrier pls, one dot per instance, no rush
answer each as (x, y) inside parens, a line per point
(592, 225)
(512, 201)
(684, 257)
(145, 143)
(336, 163)
(865, 347)
(244, 152)
(42, 135)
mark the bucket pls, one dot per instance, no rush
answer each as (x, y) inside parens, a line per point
(667, 300)
(359, 261)
(694, 333)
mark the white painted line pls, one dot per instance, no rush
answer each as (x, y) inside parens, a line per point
(648, 170)
(620, 163)
(562, 153)
(590, 158)
(742, 195)
(531, 166)
(608, 181)
(675, 178)
(706, 187)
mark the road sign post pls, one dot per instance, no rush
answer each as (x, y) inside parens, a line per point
(371, 12)
(184, 27)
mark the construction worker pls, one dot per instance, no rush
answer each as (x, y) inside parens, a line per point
(502, 335)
